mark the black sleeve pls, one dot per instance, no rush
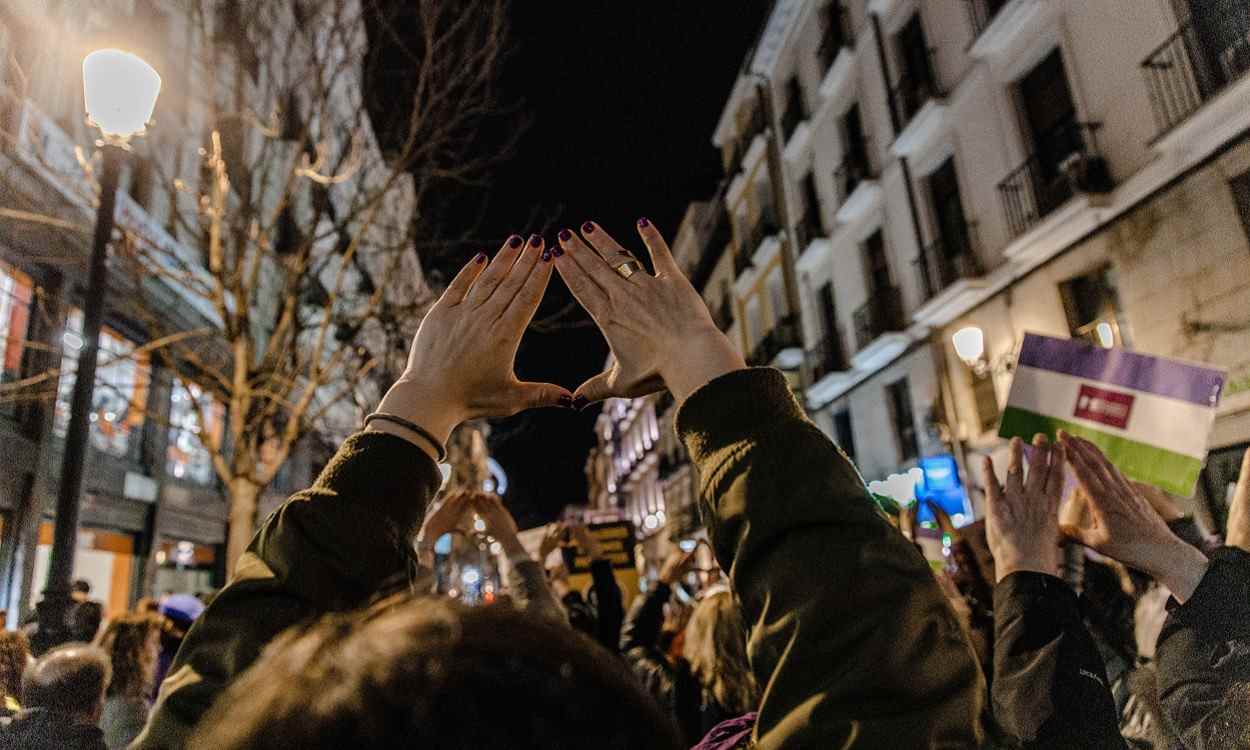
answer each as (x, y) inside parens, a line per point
(609, 607)
(1050, 686)
(1204, 657)
(645, 619)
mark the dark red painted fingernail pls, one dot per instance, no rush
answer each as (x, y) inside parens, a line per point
(580, 403)
(588, 227)
(479, 258)
(535, 240)
(546, 255)
(565, 235)
(644, 223)
(515, 241)
(557, 251)
(566, 401)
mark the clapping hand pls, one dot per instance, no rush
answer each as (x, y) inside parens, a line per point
(1121, 524)
(1022, 515)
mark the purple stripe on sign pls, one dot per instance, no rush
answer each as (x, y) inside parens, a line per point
(1162, 377)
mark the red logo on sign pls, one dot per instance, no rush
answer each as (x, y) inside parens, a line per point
(1107, 407)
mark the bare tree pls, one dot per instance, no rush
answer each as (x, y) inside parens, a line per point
(295, 218)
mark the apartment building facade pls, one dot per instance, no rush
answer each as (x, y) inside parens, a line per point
(154, 517)
(926, 166)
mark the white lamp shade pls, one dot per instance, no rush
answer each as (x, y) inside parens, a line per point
(120, 91)
(969, 343)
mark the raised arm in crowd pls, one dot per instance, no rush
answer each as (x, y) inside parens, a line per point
(849, 637)
(1050, 686)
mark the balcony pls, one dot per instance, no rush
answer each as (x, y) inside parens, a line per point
(719, 236)
(837, 35)
(981, 14)
(939, 266)
(1187, 71)
(784, 335)
(794, 113)
(1067, 163)
(912, 93)
(881, 314)
(827, 357)
(742, 144)
(853, 170)
(809, 229)
(755, 237)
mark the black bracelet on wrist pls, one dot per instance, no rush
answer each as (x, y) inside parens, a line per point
(423, 433)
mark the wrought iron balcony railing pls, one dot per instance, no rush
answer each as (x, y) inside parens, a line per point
(1189, 69)
(1064, 161)
(882, 313)
(761, 229)
(941, 264)
(809, 228)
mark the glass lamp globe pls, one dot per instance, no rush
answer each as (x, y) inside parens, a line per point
(969, 344)
(120, 91)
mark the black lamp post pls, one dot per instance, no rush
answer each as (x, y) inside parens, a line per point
(120, 93)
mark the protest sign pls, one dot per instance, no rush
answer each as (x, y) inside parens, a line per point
(1152, 416)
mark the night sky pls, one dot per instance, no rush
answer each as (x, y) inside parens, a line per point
(624, 96)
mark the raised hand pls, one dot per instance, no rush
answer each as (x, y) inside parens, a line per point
(499, 522)
(586, 541)
(1022, 516)
(440, 520)
(460, 365)
(1121, 524)
(675, 565)
(658, 328)
(1238, 534)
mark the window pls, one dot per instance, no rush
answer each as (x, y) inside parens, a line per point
(899, 396)
(1092, 306)
(754, 323)
(1049, 114)
(855, 167)
(878, 264)
(1240, 185)
(844, 436)
(16, 294)
(121, 385)
(917, 81)
(986, 400)
(186, 456)
(796, 110)
(833, 36)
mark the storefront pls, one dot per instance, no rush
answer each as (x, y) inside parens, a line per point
(104, 558)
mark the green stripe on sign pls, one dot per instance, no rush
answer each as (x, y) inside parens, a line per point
(1170, 471)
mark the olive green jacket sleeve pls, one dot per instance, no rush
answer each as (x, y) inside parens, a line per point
(850, 639)
(328, 548)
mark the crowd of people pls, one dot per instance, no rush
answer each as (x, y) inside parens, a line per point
(825, 626)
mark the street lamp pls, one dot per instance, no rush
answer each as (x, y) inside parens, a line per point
(119, 90)
(969, 343)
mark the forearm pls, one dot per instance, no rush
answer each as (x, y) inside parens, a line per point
(528, 583)
(823, 579)
(1204, 653)
(1050, 686)
(328, 548)
(645, 619)
(609, 609)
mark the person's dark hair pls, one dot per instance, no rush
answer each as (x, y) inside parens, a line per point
(81, 586)
(84, 621)
(14, 651)
(432, 673)
(125, 640)
(69, 679)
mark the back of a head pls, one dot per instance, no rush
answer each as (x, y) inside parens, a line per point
(69, 679)
(430, 673)
(715, 646)
(84, 620)
(14, 651)
(126, 640)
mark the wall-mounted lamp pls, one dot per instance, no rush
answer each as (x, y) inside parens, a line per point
(969, 343)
